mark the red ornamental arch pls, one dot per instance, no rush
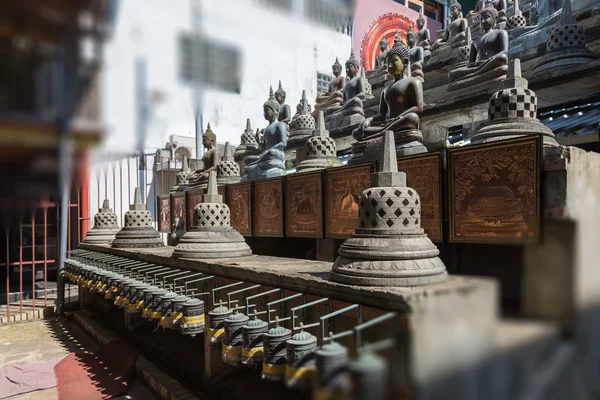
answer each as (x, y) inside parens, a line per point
(383, 26)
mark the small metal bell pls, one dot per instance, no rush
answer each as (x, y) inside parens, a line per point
(193, 317)
(252, 338)
(157, 296)
(332, 381)
(300, 367)
(148, 301)
(274, 358)
(232, 340)
(177, 311)
(368, 374)
(216, 327)
(163, 309)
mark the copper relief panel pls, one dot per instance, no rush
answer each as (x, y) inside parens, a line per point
(193, 198)
(268, 207)
(494, 192)
(304, 205)
(164, 213)
(239, 200)
(178, 211)
(343, 187)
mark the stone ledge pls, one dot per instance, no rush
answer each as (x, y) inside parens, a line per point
(306, 276)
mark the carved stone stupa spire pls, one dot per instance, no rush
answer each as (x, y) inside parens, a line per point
(138, 230)
(212, 235)
(105, 226)
(320, 148)
(248, 145)
(183, 177)
(389, 248)
(228, 171)
(302, 124)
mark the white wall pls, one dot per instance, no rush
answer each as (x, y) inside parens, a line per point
(274, 46)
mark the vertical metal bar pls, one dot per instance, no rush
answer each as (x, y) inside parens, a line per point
(137, 172)
(7, 233)
(68, 222)
(98, 181)
(20, 271)
(78, 205)
(105, 173)
(128, 187)
(142, 115)
(114, 187)
(120, 188)
(45, 253)
(33, 262)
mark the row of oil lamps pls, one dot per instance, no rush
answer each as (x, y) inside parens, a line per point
(283, 355)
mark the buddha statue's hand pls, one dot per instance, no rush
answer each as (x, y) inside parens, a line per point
(359, 132)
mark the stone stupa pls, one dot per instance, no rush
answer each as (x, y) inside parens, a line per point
(228, 171)
(183, 177)
(565, 47)
(302, 125)
(517, 20)
(512, 112)
(320, 148)
(248, 145)
(389, 248)
(105, 227)
(138, 231)
(212, 235)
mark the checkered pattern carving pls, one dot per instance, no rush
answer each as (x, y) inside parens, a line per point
(390, 208)
(464, 52)
(248, 138)
(105, 220)
(304, 122)
(566, 36)
(228, 168)
(183, 178)
(368, 88)
(212, 215)
(513, 103)
(320, 146)
(138, 218)
(516, 21)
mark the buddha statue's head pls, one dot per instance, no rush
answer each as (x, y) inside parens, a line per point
(271, 107)
(411, 38)
(280, 94)
(352, 66)
(383, 44)
(488, 17)
(420, 22)
(336, 68)
(397, 59)
(455, 9)
(208, 138)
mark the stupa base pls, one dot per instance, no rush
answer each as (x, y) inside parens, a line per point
(221, 243)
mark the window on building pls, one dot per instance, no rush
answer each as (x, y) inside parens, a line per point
(432, 10)
(323, 81)
(414, 7)
(403, 2)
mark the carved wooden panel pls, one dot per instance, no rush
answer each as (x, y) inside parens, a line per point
(193, 198)
(343, 187)
(178, 211)
(304, 205)
(268, 207)
(164, 213)
(424, 174)
(239, 200)
(494, 192)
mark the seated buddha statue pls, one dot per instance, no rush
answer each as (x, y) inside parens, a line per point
(398, 107)
(383, 48)
(488, 59)
(354, 91)
(271, 161)
(285, 113)
(331, 101)
(210, 160)
(454, 35)
(423, 36)
(417, 55)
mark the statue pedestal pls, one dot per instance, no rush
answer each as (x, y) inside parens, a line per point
(369, 150)
(264, 170)
(339, 120)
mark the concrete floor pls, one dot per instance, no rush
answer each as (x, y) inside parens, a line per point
(29, 342)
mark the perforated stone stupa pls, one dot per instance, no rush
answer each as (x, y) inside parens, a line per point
(565, 47)
(302, 125)
(138, 231)
(389, 248)
(228, 171)
(182, 177)
(212, 235)
(248, 145)
(105, 227)
(512, 112)
(320, 148)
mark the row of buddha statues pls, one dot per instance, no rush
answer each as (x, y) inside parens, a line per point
(482, 61)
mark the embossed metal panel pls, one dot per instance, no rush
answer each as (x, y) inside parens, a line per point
(164, 213)
(424, 174)
(239, 200)
(304, 205)
(178, 210)
(343, 187)
(268, 207)
(192, 199)
(494, 192)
